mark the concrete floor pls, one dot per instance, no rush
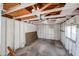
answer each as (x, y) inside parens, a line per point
(43, 47)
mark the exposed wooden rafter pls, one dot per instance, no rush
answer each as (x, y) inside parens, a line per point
(54, 13)
(56, 16)
(44, 7)
(34, 7)
(44, 12)
(27, 18)
(61, 15)
(23, 5)
(51, 10)
(47, 5)
(28, 10)
(6, 15)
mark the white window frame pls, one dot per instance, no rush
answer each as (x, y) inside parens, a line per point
(72, 34)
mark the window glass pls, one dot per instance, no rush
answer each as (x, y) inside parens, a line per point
(68, 31)
(74, 32)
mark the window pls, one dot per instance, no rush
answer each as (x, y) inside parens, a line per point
(70, 32)
(73, 36)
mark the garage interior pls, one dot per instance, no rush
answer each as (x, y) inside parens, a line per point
(39, 29)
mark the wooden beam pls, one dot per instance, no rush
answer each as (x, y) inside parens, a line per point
(47, 5)
(55, 16)
(23, 5)
(53, 13)
(74, 6)
(6, 15)
(11, 52)
(34, 7)
(27, 18)
(19, 12)
(52, 10)
(61, 15)
(34, 19)
(30, 17)
(44, 12)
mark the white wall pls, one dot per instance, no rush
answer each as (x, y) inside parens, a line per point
(3, 36)
(71, 46)
(22, 34)
(30, 27)
(13, 33)
(21, 28)
(0, 27)
(48, 31)
(77, 43)
(9, 32)
(17, 34)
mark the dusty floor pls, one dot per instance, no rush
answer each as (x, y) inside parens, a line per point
(43, 48)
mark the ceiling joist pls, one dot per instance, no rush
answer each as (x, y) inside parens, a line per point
(44, 12)
(19, 12)
(48, 11)
(47, 5)
(9, 16)
(62, 15)
(19, 7)
(53, 13)
(54, 17)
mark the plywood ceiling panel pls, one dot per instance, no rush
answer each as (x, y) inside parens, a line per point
(19, 12)
(55, 5)
(7, 6)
